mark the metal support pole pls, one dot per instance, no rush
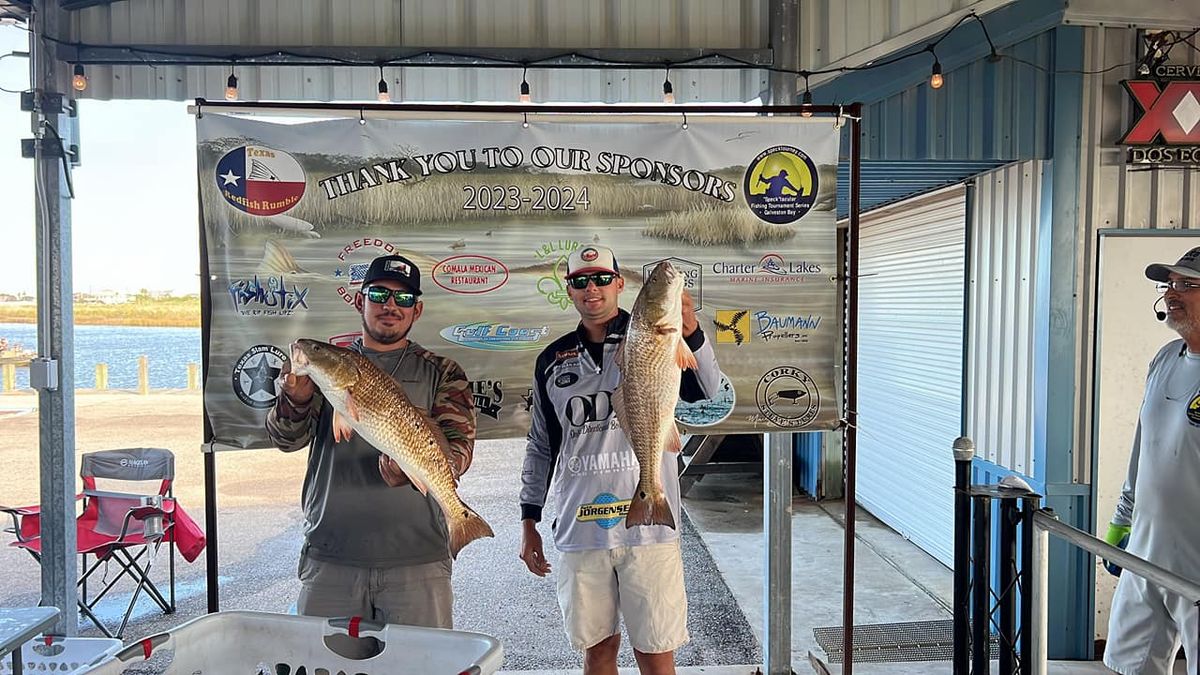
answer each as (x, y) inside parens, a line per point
(784, 29)
(964, 453)
(1039, 594)
(52, 373)
(981, 586)
(777, 528)
(1027, 583)
(1008, 587)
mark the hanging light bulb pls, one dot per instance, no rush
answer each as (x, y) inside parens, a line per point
(231, 87)
(524, 97)
(806, 99)
(668, 90)
(384, 96)
(935, 78)
(79, 80)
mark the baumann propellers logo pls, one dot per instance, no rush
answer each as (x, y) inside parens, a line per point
(780, 185)
(260, 181)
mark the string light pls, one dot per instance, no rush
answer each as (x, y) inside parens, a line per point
(806, 99)
(668, 90)
(935, 76)
(524, 97)
(384, 96)
(231, 86)
(79, 80)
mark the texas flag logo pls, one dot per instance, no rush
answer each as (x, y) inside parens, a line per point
(260, 181)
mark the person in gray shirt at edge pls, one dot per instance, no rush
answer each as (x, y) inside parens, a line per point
(374, 546)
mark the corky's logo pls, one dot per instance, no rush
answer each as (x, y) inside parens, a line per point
(780, 185)
(787, 397)
(488, 395)
(605, 510)
(254, 375)
(253, 297)
(1168, 130)
(260, 181)
(470, 274)
(733, 326)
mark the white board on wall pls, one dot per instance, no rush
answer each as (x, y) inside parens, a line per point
(1127, 337)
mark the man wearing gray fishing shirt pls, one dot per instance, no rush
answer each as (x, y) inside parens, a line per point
(1157, 511)
(374, 546)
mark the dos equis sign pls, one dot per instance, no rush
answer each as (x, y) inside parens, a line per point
(1168, 129)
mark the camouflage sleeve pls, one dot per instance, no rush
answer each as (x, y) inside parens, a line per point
(454, 412)
(290, 427)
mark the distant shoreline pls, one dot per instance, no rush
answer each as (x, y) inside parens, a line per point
(149, 313)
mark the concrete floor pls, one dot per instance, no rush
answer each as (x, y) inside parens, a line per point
(894, 580)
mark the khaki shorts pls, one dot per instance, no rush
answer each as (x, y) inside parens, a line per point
(643, 584)
(1145, 628)
(416, 595)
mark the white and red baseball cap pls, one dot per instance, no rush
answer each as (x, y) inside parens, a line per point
(591, 258)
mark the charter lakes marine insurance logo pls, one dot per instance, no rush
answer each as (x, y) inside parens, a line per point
(260, 181)
(780, 185)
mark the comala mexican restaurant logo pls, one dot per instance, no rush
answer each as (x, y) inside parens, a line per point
(495, 336)
(470, 274)
(260, 181)
(1168, 130)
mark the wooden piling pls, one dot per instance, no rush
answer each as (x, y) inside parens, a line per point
(143, 374)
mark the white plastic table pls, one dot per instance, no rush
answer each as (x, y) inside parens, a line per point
(18, 625)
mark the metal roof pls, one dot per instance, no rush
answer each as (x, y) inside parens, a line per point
(885, 182)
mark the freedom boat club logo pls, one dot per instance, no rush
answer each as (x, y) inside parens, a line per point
(260, 181)
(254, 375)
(780, 185)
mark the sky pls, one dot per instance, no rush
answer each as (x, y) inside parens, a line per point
(134, 218)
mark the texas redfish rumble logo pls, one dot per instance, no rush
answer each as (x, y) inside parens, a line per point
(260, 181)
(780, 185)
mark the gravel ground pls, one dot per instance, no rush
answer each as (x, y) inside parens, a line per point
(259, 538)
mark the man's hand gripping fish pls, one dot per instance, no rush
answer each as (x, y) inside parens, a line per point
(368, 401)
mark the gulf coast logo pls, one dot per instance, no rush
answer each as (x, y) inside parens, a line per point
(259, 180)
(495, 336)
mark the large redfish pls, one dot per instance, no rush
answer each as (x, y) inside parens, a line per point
(652, 360)
(369, 401)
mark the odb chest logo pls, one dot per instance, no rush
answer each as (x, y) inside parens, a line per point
(595, 407)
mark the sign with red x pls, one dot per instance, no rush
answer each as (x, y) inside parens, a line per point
(1168, 130)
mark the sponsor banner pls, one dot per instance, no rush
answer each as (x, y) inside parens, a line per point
(488, 210)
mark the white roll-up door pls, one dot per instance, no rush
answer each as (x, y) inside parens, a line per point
(910, 331)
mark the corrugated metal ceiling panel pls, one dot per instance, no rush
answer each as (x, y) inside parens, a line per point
(885, 182)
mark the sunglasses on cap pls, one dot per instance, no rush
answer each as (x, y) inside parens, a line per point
(380, 294)
(599, 278)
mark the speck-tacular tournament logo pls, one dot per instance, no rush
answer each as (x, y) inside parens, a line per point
(780, 185)
(260, 181)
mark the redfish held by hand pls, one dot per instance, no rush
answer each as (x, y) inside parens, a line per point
(371, 403)
(652, 360)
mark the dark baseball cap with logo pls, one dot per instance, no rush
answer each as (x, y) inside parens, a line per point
(591, 258)
(1188, 266)
(396, 268)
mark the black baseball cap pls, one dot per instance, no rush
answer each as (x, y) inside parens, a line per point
(1188, 266)
(396, 268)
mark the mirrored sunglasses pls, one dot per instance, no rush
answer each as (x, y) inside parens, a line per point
(599, 278)
(379, 295)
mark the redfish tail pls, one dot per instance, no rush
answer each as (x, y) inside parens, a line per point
(648, 509)
(466, 528)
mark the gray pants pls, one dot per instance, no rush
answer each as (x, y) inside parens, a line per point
(417, 595)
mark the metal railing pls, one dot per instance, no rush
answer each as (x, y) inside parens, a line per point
(1022, 589)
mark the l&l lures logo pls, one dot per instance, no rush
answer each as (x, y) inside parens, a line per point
(780, 185)
(260, 181)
